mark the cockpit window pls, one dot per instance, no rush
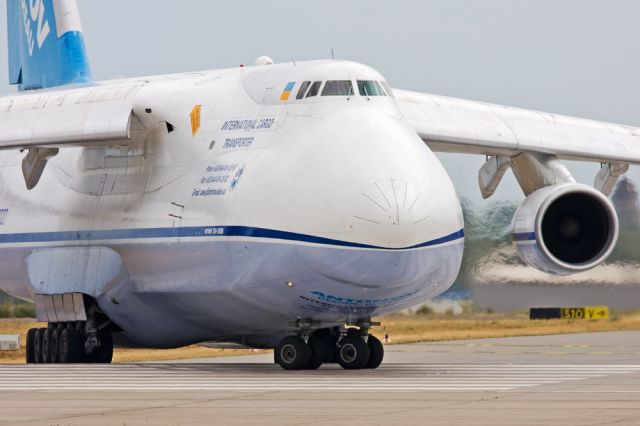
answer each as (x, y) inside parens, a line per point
(338, 88)
(387, 88)
(303, 89)
(370, 88)
(315, 88)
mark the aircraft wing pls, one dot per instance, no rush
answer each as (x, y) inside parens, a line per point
(456, 125)
(42, 122)
(61, 118)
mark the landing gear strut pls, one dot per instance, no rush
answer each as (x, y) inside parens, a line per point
(352, 348)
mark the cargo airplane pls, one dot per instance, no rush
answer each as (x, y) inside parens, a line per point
(280, 205)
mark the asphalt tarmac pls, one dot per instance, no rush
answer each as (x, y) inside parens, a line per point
(580, 379)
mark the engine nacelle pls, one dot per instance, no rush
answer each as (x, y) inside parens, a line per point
(565, 229)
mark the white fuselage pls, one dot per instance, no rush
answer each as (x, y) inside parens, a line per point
(231, 225)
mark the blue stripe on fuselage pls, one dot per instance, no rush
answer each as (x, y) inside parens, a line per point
(200, 231)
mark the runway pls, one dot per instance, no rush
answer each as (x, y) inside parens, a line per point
(247, 377)
(586, 379)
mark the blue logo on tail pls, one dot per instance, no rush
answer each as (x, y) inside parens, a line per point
(39, 57)
(35, 22)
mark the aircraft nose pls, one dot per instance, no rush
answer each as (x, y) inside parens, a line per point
(394, 200)
(400, 207)
(391, 209)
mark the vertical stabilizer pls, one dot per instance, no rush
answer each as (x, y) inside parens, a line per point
(46, 44)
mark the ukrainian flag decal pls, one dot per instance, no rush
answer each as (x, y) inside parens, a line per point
(287, 91)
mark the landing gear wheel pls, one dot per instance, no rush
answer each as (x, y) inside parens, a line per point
(103, 354)
(30, 353)
(353, 332)
(329, 342)
(293, 353)
(71, 346)
(376, 352)
(47, 336)
(317, 353)
(37, 345)
(353, 352)
(54, 351)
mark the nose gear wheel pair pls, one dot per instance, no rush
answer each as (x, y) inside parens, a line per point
(352, 349)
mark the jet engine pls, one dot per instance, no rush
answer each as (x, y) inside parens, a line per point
(565, 229)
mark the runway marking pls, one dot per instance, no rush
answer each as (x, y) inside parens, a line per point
(266, 377)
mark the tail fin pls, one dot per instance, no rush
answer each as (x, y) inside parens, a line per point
(46, 44)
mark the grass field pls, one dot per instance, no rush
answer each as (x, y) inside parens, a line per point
(400, 328)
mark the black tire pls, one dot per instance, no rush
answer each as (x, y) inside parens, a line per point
(71, 346)
(46, 345)
(331, 350)
(29, 349)
(54, 351)
(376, 352)
(329, 341)
(317, 353)
(354, 332)
(293, 353)
(353, 352)
(103, 354)
(37, 345)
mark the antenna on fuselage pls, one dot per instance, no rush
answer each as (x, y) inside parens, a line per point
(333, 57)
(293, 61)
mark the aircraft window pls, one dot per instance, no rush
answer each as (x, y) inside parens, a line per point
(370, 88)
(338, 88)
(303, 89)
(387, 88)
(315, 88)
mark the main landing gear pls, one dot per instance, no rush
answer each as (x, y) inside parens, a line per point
(67, 344)
(352, 348)
(73, 342)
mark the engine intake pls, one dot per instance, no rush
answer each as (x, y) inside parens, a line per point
(565, 229)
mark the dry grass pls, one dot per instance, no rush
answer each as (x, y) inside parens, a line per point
(188, 352)
(15, 326)
(434, 328)
(400, 328)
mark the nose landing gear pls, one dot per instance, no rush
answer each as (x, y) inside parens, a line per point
(352, 348)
